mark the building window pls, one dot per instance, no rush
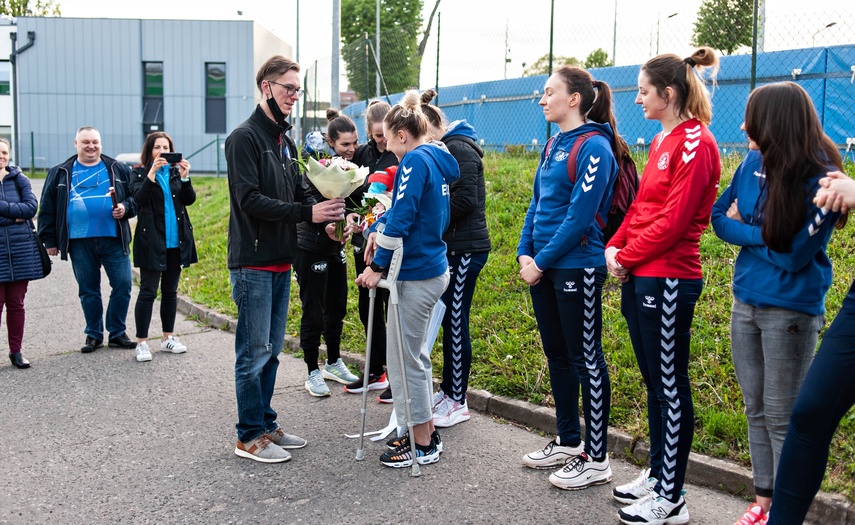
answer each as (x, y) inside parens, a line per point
(215, 97)
(5, 78)
(152, 97)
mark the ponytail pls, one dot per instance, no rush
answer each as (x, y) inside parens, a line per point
(338, 124)
(407, 115)
(684, 76)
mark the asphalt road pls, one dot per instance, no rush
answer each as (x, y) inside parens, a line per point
(99, 438)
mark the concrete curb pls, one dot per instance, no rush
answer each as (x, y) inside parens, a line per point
(705, 471)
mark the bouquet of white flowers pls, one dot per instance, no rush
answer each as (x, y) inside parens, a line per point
(335, 178)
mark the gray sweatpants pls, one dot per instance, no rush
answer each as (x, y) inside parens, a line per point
(416, 299)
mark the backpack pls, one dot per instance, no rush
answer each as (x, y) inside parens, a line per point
(626, 185)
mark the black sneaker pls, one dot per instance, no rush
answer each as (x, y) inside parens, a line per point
(386, 396)
(375, 382)
(404, 441)
(403, 457)
(122, 341)
(90, 345)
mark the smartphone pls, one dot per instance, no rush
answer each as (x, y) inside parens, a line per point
(172, 158)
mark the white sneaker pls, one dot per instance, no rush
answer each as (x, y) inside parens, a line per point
(449, 412)
(172, 344)
(582, 472)
(655, 510)
(636, 490)
(315, 384)
(338, 372)
(143, 352)
(438, 396)
(554, 454)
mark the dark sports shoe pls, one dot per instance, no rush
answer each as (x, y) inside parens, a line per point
(91, 345)
(403, 457)
(122, 341)
(404, 440)
(386, 396)
(375, 382)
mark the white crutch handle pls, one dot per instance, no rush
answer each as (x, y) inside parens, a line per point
(396, 244)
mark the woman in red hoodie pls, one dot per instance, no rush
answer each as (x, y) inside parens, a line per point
(656, 255)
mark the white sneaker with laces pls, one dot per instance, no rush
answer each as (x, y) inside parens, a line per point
(636, 490)
(338, 372)
(554, 454)
(582, 472)
(449, 412)
(438, 396)
(143, 352)
(315, 384)
(655, 510)
(173, 345)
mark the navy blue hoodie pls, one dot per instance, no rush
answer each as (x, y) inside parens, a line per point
(420, 212)
(560, 228)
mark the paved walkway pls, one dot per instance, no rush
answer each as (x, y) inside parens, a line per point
(99, 438)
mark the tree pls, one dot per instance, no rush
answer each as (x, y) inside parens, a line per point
(29, 8)
(400, 49)
(541, 65)
(724, 25)
(598, 58)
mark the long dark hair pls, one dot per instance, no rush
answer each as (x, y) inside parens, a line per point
(146, 157)
(594, 105)
(692, 98)
(781, 119)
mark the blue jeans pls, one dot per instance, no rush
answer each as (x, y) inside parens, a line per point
(772, 349)
(827, 393)
(659, 313)
(569, 311)
(87, 257)
(456, 344)
(262, 301)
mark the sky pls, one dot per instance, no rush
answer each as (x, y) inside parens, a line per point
(473, 32)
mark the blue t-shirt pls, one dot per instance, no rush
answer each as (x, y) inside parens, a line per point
(90, 208)
(171, 222)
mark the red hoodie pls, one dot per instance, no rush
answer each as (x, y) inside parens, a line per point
(660, 236)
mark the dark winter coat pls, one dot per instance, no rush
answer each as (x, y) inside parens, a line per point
(150, 232)
(19, 256)
(53, 211)
(467, 232)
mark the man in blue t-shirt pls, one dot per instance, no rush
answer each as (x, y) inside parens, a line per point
(78, 218)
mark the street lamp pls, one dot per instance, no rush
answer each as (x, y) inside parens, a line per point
(813, 38)
(658, 20)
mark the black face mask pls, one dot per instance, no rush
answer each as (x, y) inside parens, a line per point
(278, 116)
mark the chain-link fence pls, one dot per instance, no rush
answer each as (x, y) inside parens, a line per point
(492, 74)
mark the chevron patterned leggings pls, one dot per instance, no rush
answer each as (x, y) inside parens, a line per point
(568, 308)
(456, 344)
(659, 313)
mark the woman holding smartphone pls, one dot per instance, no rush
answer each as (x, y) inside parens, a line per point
(163, 239)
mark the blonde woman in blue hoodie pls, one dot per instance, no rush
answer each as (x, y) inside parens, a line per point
(561, 256)
(420, 214)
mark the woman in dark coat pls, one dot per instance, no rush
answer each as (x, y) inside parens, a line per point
(19, 256)
(163, 240)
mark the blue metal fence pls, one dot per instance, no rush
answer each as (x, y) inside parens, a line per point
(506, 112)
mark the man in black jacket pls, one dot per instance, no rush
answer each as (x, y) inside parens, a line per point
(78, 217)
(267, 199)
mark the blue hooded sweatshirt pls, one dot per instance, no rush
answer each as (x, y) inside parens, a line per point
(461, 128)
(560, 228)
(420, 213)
(797, 280)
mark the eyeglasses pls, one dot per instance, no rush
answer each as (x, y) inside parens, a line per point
(289, 90)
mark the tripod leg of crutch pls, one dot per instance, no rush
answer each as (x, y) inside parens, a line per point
(372, 296)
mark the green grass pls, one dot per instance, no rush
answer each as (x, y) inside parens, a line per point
(507, 357)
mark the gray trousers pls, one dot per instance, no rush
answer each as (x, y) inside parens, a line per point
(773, 349)
(416, 299)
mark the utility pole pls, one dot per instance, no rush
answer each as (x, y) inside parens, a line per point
(336, 53)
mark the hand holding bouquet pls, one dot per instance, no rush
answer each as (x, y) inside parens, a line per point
(335, 178)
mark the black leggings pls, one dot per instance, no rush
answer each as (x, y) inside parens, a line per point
(168, 281)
